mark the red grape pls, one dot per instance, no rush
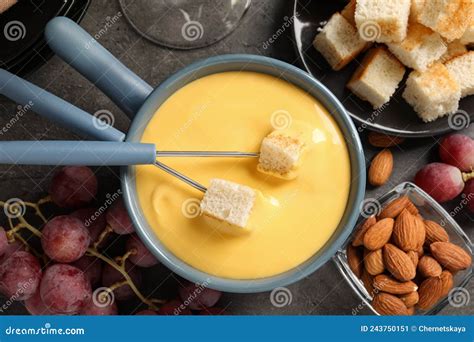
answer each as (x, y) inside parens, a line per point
(174, 308)
(118, 219)
(142, 256)
(96, 309)
(73, 187)
(20, 275)
(458, 150)
(146, 313)
(11, 248)
(198, 297)
(212, 312)
(91, 266)
(3, 241)
(469, 192)
(65, 289)
(35, 305)
(65, 239)
(92, 220)
(441, 181)
(111, 276)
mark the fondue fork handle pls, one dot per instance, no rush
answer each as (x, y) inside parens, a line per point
(97, 153)
(76, 153)
(31, 97)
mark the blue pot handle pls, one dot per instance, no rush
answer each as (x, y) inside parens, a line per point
(75, 46)
(55, 109)
(76, 153)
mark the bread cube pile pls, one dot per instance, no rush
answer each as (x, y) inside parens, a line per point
(430, 38)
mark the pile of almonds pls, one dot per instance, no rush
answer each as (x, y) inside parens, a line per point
(404, 261)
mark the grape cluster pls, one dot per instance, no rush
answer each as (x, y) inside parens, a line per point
(446, 180)
(73, 269)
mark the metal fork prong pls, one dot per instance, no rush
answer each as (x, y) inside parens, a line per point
(234, 154)
(180, 176)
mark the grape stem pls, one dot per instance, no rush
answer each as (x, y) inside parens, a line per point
(467, 176)
(13, 233)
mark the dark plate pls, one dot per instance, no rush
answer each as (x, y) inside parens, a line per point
(23, 47)
(397, 117)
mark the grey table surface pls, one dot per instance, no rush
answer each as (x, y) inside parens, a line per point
(325, 292)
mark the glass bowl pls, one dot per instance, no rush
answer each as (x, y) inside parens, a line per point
(429, 209)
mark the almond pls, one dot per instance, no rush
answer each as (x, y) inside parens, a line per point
(447, 282)
(381, 168)
(394, 208)
(373, 262)
(387, 284)
(368, 281)
(430, 292)
(412, 208)
(429, 267)
(398, 263)
(420, 251)
(411, 310)
(387, 304)
(359, 234)
(408, 232)
(384, 140)
(378, 234)
(413, 257)
(354, 260)
(451, 256)
(435, 233)
(410, 299)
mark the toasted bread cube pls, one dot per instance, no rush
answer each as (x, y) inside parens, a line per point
(382, 21)
(6, 4)
(450, 18)
(420, 48)
(228, 202)
(455, 49)
(462, 69)
(349, 12)
(468, 36)
(377, 78)
(416, 6)
(280, 155)
(339, 42)
(432, 93)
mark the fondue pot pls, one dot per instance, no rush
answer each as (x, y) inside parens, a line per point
(140, 102)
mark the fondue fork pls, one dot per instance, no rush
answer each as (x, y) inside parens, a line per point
(101, 153)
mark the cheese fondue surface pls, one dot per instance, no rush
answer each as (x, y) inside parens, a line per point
(234, 111)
